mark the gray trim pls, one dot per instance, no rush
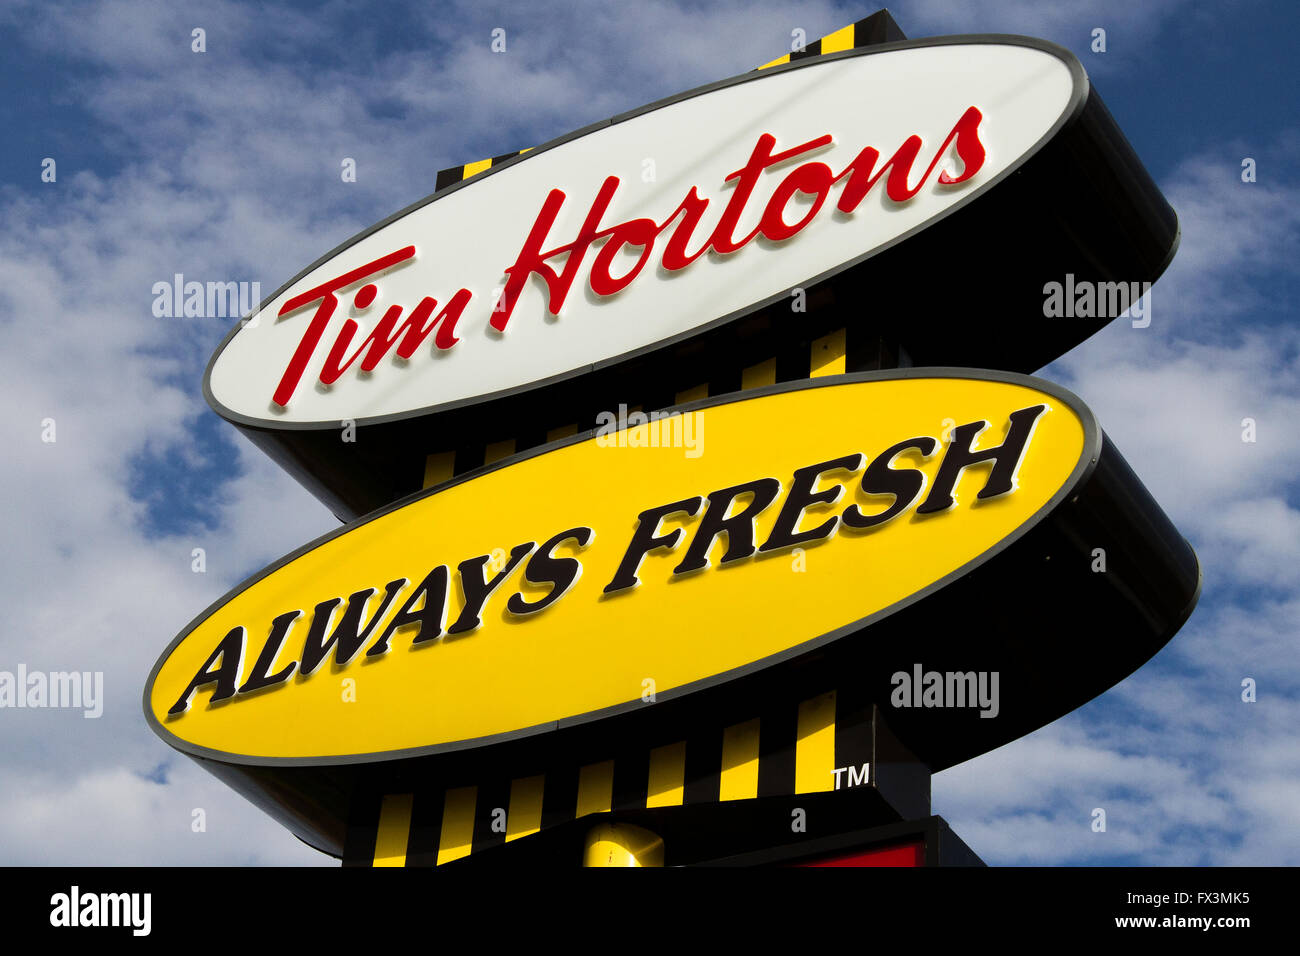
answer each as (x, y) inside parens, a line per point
(1091, 453)
(1073, 110)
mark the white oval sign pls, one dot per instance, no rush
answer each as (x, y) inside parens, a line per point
(643, 229)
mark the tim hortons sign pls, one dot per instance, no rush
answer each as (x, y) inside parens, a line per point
(841, 529)
(880, 194)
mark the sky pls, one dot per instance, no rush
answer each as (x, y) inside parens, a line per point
(225, 165)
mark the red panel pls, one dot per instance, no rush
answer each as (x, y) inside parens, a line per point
(907, 854)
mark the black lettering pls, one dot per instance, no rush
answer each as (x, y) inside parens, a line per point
(959, 456)
(348, 635)
(880, 478)
(739, 528)
(543, 568)
(644, 540)
(231, 653)
(430, 617)
(259, 678)
(802, 496)
(477, 590)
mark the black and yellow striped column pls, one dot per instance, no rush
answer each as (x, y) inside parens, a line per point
(790, 749)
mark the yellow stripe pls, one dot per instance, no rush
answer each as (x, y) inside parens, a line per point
(439, 467)
(814, 751)
(498, 450)
(667, 776)
(692, 394)
(525, 813)
(595, 788)
(841, 39)
(457, 824)
(564, 431)
(764, 373)
(777, 62)
(394, 830)
(473, 169)
(828, 355)
(739, 778)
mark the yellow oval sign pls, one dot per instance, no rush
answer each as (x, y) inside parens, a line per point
(649, 559)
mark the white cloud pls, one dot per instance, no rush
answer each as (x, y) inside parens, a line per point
(113, 817)
(1175, 396)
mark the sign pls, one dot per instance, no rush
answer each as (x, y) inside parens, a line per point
(644, 579)
(561, 586)
(742, 210)
(733, 215)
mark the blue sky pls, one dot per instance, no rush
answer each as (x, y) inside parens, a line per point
(225, 166)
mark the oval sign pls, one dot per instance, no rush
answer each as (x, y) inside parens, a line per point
(544, 591)
(645, 229)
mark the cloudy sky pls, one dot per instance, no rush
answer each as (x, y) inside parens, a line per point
(225, 165)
